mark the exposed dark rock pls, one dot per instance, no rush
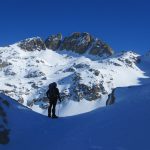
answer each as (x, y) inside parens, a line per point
(100, 48)
(10, 85)
(80, 66)
(77, 42)
(34, 86)
(71, 69)
(129, 63)
(9, 72)
(53, 42)
(44, 78)
(79, 90)
(84, 42)
(96, 72)
(21, 100)
(41, 101)
(4, 63)
(116, 64)
(30, 82)
(33, 74)
(132, 58)
(120, 59)
(7, 92)
(65, 94)
(111, 98)
(30, 103)
(89, 93)
(32, 44)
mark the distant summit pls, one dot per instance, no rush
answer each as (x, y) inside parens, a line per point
(77, 42)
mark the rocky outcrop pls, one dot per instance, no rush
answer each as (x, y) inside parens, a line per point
(79, 43)
(32, 44)
(129, 58)
(34, 74)
(80, 90)
(9, 72)
(4, 64)
(81, 66)
(111, 98)
(96, 72)
(85, 43)
(100, 48)
(84, 91)
(53, 42)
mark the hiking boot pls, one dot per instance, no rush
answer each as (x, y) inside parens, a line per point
(49, 116)
(54, 116)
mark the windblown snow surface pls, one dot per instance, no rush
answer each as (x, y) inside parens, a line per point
(122, 126)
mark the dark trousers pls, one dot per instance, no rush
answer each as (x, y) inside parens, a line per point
(51, 108)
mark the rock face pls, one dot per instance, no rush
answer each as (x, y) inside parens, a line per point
(100, 48)
(77, 42)
(32, 44)
(111, 98)
(4, 64)
(53, 42)
(79, 89)
(34, 74)
(84, 42)
(83, 91)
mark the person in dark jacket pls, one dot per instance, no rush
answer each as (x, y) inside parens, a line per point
(53, 95)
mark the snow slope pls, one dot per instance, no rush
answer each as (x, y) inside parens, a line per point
(25, 77)
(123, 126)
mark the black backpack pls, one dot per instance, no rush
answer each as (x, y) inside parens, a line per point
(51, 93)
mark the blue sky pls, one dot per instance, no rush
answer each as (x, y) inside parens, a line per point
(123, 24)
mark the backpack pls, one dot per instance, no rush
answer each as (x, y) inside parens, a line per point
(51, 93)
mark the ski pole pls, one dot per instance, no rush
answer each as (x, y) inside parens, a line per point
(58, 109)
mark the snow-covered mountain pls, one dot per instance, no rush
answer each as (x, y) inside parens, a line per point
(85, 80)
(122, 126)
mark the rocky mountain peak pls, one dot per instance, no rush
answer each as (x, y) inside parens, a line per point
(53, 41)
(32, 44)
(78, 42)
